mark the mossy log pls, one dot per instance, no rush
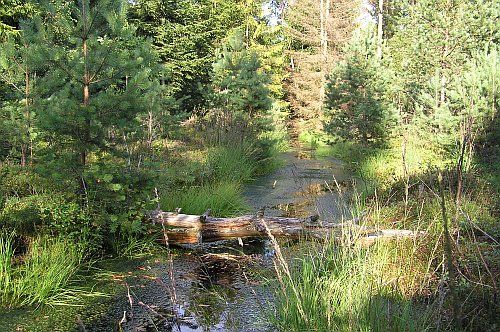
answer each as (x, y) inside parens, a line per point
(195, 229)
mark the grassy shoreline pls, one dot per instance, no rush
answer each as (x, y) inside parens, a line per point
(406, 285)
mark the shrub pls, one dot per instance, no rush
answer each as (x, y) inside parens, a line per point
(49, 214)
(18, 181)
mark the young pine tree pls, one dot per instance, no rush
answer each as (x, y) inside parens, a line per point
(16, 108)
(240, 85)
(95, 76)
(355, 106)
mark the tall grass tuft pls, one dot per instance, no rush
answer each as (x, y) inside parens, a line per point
(232, 164)
(345, 286)
(6, 268)
(41, 275)
(224, 199)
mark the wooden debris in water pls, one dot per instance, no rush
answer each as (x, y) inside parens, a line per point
(196, 229)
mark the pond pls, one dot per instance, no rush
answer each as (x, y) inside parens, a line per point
(216, 287)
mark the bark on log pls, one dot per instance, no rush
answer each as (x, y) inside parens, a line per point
(194, 229)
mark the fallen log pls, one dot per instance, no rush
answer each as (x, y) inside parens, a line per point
(194, 229)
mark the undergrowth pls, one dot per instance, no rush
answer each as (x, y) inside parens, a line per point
(402, 286)
(352, 288)
(216, 184)
(41, 275)
(223, 198)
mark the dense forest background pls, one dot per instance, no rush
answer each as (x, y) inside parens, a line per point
(111, 108)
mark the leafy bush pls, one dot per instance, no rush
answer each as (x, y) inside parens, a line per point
(51, 214)
(118, 198)
(20, 182)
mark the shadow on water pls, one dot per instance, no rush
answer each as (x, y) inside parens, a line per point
(218, 286)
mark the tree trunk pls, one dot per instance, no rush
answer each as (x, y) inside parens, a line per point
(194, 229)
(86, 87)
(443, 68)
(380, 30)
(86, 102)
(27, 125)
(321, 23)
(326, 17)
(150, 129)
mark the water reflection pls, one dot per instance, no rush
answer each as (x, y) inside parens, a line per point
(302, 188)
(216, 287)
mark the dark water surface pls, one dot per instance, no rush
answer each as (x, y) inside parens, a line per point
(303, 187)
(216, 287)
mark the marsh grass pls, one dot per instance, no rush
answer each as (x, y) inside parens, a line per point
(236, 164)
(41, 276)
(400, 285)
(344, 286)
(136, 246)
(223, 198)
(219, 188)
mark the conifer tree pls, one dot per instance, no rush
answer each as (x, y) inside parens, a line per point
(17, 74)
(316, 31)
(11, 13)
(186, 34)
(429, 45)
(240, 85)
(355, 103)
(94, 76)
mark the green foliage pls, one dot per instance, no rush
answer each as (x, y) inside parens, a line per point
(438, 88)
(118, 197)
(44, 276)
(348, 288)
(268, 43)
(52, 214)
(114, 205)
(355, 106)
(6, 268)
(16, 106)
(185, 35)
(239, 83)
(11, 13)
(17, 181)
(276, 132)
(81, 119)
(439, 80)
(236, 164)
(217, 185)
(117, 69)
